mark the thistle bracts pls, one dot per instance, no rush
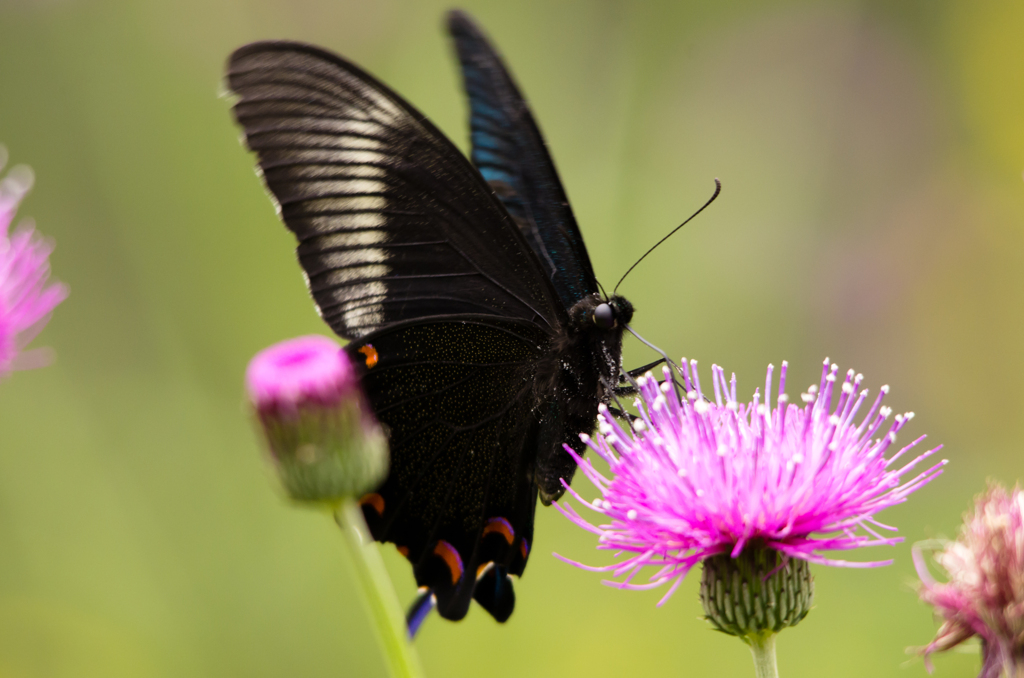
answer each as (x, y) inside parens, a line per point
(757, 593)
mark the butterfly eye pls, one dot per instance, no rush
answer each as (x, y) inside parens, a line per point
(604, 317)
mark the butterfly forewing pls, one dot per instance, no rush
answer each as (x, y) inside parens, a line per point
(393, 223)
(510, 153)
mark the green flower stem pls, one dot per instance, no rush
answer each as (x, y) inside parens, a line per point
(388, 621)
(763, 649)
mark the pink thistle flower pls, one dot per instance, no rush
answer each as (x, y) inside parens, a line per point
(985, 592)
(310, 371)
(324, 440)
(26, 301)
(698, 478)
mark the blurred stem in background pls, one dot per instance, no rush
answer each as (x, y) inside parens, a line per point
(328, 449)
(388, 620)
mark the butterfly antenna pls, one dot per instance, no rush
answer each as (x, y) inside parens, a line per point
(680, 391)
(604, 294)
(718, 189)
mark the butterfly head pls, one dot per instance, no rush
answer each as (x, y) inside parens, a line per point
(612, 313)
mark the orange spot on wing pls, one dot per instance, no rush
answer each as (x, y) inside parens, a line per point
(451, 558)
(502, 527)
(374, 500)
(404, 550)
(483, 568)
(524, 549)
(371, 354)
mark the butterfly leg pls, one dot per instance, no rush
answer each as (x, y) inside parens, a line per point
(622, 414)
(643, 369)
(630, 378)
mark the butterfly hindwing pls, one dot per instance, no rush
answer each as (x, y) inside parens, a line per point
(456, 398)
(393, 223)
(509, 151)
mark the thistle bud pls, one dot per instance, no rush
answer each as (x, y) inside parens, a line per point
(756, 594)
(323, 439)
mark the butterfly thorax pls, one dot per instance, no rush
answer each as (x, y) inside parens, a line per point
(583, 368)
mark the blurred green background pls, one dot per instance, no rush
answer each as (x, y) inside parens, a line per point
(873, 211)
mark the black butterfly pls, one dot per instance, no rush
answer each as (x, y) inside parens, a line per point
(465, 288)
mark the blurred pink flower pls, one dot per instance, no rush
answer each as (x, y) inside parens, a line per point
(985, 592)
(699, 478)
(296, 373)
(26, 300)
(324, 440)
